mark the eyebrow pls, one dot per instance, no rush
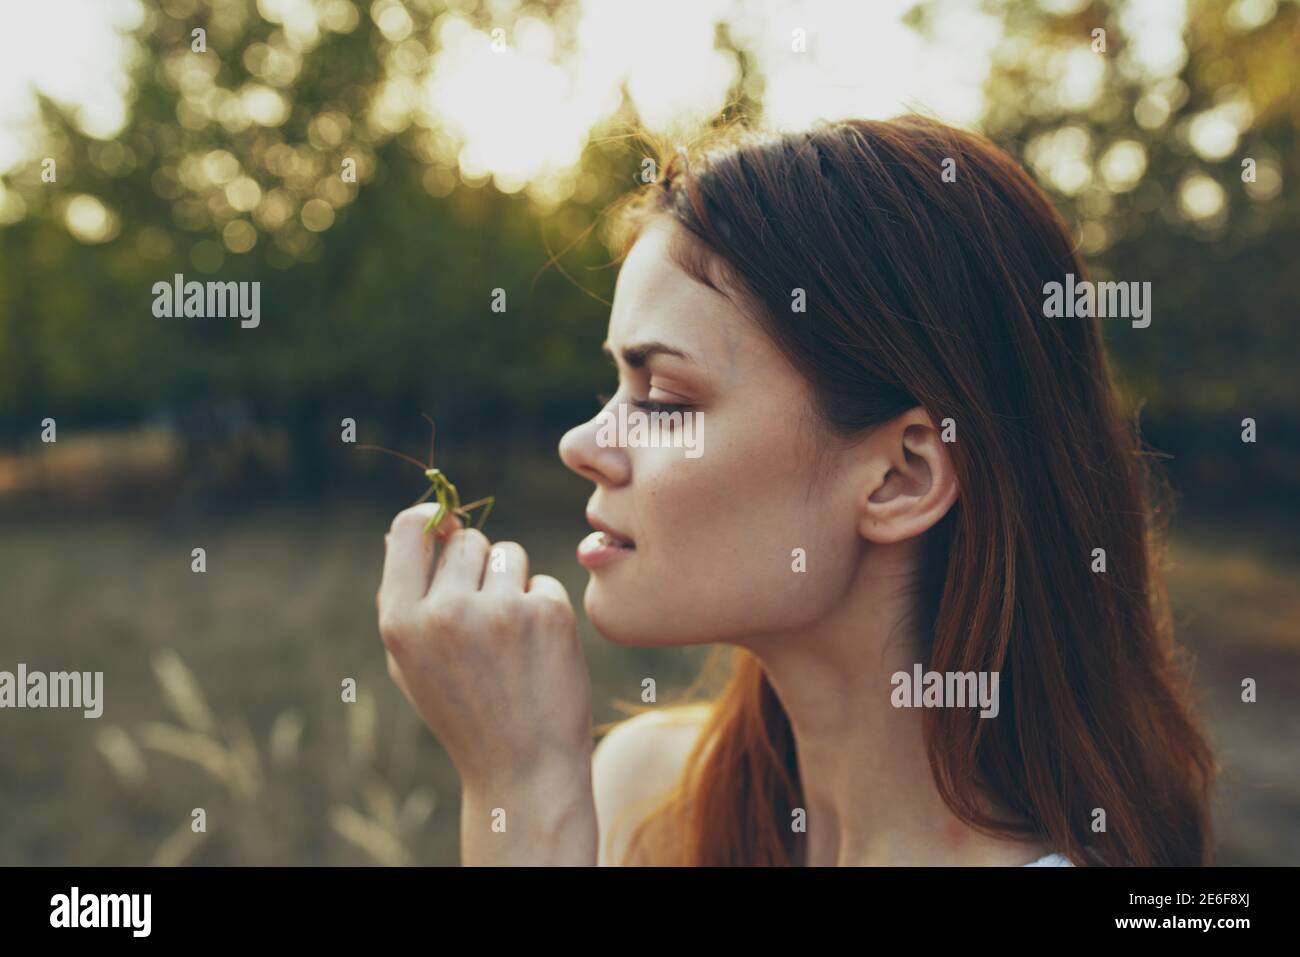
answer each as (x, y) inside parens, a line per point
(636, 355)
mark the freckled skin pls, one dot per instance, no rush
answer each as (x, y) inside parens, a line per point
(714, 535)
(712, 561)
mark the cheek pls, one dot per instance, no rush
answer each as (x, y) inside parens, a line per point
(728, 546)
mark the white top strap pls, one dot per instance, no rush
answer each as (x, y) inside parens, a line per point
(1051, 860)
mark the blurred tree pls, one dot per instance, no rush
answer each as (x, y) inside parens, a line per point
(1145, 146)
(377, 295)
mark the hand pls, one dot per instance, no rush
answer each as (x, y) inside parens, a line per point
(490, 659)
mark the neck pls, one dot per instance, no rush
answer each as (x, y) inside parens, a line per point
(867, 785)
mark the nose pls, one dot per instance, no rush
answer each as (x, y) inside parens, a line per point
(603, 464)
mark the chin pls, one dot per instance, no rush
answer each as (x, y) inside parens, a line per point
(622, 623)
(602, 612)
(616, 621)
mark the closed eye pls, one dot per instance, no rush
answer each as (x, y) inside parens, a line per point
(647, 405)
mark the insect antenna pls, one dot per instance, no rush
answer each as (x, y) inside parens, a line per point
(405, 458)
(433, 430)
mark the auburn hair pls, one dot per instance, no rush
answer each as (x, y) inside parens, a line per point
(923, 251)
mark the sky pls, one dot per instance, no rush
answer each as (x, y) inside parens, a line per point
(72, 51)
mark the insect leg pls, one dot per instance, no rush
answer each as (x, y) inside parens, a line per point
(425, 497)
(486, 503)
(439, 489)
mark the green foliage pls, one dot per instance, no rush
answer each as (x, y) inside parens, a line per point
(377, 295)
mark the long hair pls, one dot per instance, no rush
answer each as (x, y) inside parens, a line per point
(924, 252)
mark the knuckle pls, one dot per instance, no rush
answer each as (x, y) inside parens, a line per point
(506, 556)
(502, 616)
(553, 611)
(407, 519)
(469, 537)
(393, 630)
(448, 612)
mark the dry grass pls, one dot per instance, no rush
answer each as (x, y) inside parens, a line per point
(223, 691)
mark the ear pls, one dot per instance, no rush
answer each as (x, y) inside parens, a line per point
(912, 484)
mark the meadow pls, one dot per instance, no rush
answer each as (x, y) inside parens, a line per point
(222, 689)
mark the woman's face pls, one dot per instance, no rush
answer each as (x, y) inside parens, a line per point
(715, 536)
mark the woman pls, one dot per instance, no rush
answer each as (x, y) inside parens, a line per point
(909, 470)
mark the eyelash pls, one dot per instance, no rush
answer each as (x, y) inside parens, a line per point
(645, 405)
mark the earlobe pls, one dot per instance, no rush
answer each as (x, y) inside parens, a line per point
(914, 483)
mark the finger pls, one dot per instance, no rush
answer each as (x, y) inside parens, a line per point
(461, 566)
(446, 528)
(507, 569)
(408, 559)
(408, 556)
(548, 587)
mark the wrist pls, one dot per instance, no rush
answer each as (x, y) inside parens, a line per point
(542, 817)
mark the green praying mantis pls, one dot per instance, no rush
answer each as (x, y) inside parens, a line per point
(440, 487)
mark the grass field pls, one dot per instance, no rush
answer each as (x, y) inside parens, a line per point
(223, 689)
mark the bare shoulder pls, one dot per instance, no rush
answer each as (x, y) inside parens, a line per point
(633, 767)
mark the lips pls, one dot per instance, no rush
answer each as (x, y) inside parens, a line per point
(612, 537)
